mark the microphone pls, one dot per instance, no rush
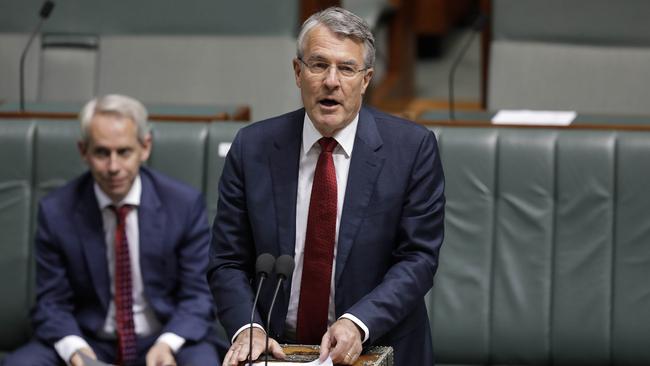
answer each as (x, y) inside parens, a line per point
(44, 13)
(263, 267)
(284, 269)
(479, 24)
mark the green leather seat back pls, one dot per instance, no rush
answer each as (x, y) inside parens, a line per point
(582, 259)
(179, 150)
(16, 153)
(460, 302)
(546, 252)
(522, 248)
(630, 293)
(56, 158)
(56, 161)
(220, 137)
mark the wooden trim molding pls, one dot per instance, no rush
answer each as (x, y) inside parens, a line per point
(399, 80)
(309, 7)
(241, 114)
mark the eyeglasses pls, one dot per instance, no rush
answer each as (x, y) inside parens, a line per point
(321, 67)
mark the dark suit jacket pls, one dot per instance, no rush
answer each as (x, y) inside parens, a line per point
(73, 287)
(389, 237)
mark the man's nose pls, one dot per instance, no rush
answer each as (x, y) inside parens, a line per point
(332, 79)
(113, 163)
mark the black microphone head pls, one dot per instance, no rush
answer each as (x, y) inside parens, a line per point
(264, 264)
(46, 9)
(284, 266)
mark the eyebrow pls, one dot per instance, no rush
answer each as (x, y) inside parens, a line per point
(317, 57)
(101, 147)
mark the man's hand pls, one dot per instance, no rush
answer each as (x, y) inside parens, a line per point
(342, 342)
(238, 351)
(75, 360)
(160, 355)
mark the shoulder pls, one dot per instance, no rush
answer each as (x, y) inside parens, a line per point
(282, 125)
(66, 196)
(167, 188)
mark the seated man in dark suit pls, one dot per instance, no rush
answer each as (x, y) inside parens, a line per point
(121, 255)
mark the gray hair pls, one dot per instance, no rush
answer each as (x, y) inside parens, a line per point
(344, 23)
(118, 105)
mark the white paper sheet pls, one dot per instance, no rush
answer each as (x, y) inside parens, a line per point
(529, 117)
(87, 361)
(224, 147)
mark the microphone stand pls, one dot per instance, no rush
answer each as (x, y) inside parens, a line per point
(46, 9)
(250, 334)
(263, 267)
(284, 269)
(478, 25)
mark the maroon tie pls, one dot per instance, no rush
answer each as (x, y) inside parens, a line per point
(319, 249)
(123, 291)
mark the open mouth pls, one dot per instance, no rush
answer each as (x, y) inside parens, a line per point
(327, 102)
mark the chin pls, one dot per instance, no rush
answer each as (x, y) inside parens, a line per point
(330, 120)
(114, 192)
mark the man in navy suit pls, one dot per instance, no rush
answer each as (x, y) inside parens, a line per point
(384, 191)
(165, 246)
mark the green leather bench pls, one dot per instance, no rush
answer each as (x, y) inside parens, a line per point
(546, 259)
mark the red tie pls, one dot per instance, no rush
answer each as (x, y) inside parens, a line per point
(123, 291)
(319, 249)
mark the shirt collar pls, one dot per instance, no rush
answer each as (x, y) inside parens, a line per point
(132, 198)
(344, 136)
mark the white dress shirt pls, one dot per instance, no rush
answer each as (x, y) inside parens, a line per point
(144, 319)
(309, 152)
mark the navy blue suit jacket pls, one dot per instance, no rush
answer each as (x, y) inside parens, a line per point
(73, 286)
(390, 233)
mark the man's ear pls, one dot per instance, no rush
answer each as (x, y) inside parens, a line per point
(82, 146)
(296, 71)
(146, 147)
(366, 79)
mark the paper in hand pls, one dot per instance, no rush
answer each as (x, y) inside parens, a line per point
(92, 362)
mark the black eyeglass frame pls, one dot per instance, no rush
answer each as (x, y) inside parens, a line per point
(347, 73)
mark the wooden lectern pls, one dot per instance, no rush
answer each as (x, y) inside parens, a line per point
(373, 356)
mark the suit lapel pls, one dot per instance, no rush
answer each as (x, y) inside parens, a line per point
(283, 161)
(90, 229)
(151, 224)
(365, 166)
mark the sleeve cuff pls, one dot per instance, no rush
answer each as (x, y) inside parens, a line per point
(68, 345)
(255, 325)
(174, 341)
(359, 323)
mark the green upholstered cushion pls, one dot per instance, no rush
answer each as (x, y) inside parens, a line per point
(16, 200)
(179, 151)
(220, 137)
(546, 254)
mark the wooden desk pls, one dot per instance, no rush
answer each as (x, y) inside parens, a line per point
(374, 356)
(467, 118)
(157, 112)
